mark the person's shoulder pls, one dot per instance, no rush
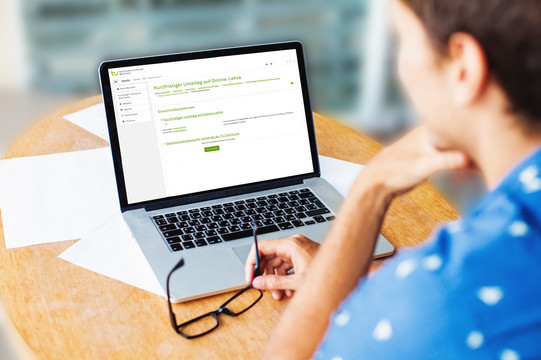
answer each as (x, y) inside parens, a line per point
(492, 260)
(471, 290)
(502, 229)
(497, 245)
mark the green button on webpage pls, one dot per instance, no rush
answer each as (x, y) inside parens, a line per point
(212, 148)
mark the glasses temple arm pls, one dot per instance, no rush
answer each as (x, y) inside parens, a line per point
(171, 313)
(257, 268)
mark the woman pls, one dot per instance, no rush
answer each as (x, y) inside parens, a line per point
(473, 71)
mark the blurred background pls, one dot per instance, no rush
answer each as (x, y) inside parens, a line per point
(52, 49)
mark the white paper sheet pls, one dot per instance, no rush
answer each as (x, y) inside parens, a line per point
(56, 197)
(91, 119)
(111, 250)
(339, 173)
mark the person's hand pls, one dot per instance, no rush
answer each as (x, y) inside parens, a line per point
(277, 257)
(410, 161)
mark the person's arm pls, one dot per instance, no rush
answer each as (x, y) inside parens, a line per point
(346, 253)
(342, 260)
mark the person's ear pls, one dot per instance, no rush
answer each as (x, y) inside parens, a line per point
(468, 69)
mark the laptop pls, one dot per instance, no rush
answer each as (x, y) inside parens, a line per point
(204, 144)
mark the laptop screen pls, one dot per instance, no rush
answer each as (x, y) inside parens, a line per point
(196, 125)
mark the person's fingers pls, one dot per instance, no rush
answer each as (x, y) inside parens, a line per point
(282, 271)
(270, 270)
(276, 282)
(278, 247)
(450, 160)
(271, 267)
(445, 160)
(268, 249)
(283, 268)
(249, 267)
(273, 264)
(277, 294)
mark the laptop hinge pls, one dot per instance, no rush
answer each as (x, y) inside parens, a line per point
(212, 195)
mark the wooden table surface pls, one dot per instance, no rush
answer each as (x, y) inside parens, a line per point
(66, 312)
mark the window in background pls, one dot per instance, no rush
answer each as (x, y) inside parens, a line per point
(346, 42)
(348, 46)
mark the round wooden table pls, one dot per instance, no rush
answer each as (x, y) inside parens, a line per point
(66, 312)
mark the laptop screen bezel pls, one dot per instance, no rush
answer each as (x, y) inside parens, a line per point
(214, 193)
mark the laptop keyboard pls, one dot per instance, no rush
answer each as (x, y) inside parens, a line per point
(230, 221)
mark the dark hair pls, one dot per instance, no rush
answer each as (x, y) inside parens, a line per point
(509, 31)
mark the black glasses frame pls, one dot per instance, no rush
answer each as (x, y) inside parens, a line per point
(223, 309)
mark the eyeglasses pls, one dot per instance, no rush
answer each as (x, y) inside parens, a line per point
(241, 302)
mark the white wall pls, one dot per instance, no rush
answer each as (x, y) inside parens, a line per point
(13, 72)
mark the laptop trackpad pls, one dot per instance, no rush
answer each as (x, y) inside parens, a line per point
(242, 252)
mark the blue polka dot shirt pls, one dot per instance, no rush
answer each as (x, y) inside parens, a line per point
(473, 291)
